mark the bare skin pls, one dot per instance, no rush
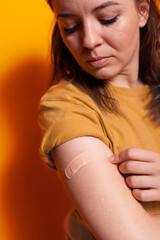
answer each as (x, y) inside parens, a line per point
(103, 33)
(98, 189)
(144, 169)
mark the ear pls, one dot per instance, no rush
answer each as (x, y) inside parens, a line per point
(143, 10)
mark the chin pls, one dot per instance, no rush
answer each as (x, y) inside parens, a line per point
(103, 75)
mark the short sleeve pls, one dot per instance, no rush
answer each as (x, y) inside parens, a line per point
(63, 115)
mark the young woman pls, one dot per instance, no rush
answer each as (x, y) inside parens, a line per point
(101, 115)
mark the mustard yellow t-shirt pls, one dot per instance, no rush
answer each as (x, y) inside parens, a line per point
(66, 112)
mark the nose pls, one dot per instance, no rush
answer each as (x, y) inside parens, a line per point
(91, 36)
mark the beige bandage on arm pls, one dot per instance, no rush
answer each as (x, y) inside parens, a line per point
(77, 163)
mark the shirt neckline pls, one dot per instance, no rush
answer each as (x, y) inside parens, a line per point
(130, 92)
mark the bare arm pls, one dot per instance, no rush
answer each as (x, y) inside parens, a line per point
(98, 189)
(141, 169)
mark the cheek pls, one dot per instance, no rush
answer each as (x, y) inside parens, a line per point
(125, 37)
(73, 46)
(71, 42)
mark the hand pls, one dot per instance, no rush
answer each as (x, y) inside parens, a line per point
(143, 166)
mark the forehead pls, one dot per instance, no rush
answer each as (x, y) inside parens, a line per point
(84, 5)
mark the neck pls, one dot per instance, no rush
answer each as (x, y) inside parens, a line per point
(127, 78)
(120, 82)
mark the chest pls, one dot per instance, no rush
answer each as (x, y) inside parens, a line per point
(132, 129)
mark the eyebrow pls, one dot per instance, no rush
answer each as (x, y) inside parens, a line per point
(103, 5)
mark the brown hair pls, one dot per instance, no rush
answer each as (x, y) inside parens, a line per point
(65, 66)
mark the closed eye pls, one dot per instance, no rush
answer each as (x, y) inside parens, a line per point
(109, 21)
(70, 30)
(103, 21)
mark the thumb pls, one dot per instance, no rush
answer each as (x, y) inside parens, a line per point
(123, 156)
(114, 158)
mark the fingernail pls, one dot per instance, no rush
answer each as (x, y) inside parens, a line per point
(112, 158)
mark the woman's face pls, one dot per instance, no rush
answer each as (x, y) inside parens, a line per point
(102, 35)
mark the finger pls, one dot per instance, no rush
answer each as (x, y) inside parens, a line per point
(149, 195)
(137, 154)
(141, 182)
(136, 167)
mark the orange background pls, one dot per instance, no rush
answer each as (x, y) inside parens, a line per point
(32, 201)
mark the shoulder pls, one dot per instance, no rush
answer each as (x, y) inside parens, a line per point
(67, 112)
(64, 101)
(67, 92)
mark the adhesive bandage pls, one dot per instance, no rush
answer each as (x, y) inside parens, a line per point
(77, 163)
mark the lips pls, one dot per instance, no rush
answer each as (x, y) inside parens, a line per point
(98, 62)
(95, 59)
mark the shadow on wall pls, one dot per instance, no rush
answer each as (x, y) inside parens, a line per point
(33, 197)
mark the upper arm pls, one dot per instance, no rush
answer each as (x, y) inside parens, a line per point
(99, 192)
